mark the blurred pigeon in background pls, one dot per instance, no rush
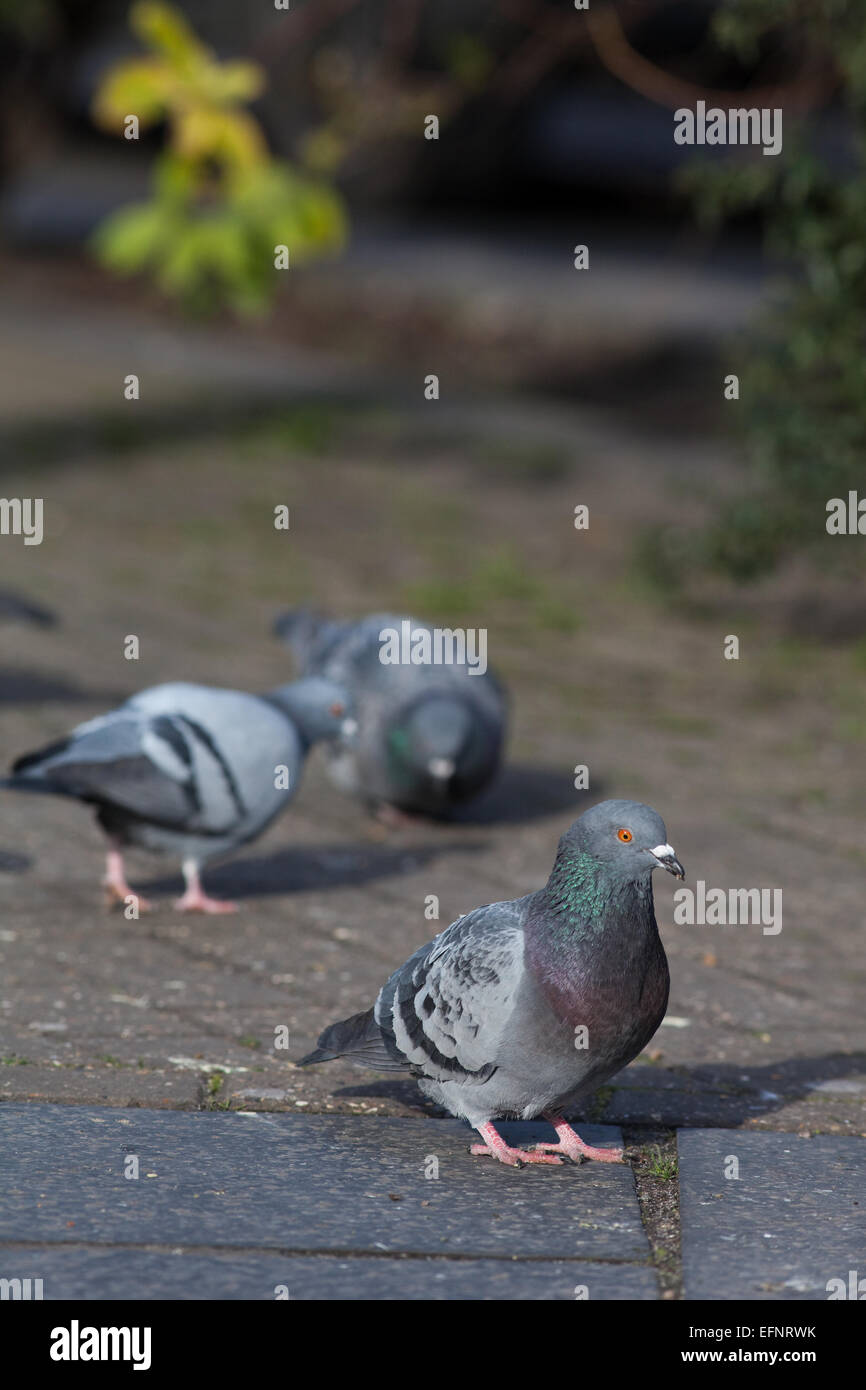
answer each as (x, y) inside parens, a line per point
(188, 770)
(429, 735)
(520, 1008)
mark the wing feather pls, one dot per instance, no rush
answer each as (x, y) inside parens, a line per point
(447, 1007)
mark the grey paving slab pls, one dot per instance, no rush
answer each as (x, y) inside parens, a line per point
(793, 1219)
(302, 1184)
(97, 1085)
(138, 1275)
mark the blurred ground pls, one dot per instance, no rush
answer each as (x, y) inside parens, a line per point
(458, 509)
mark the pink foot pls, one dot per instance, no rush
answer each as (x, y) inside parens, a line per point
(572, 1146)
(395, 819)
(496, 1147)
(119, 893)
(194, 900)
(117, 890)
(515, 1158)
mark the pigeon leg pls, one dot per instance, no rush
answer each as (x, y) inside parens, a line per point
(393, 818)
(117, 890)
(496, 1147)
(195, 899)
(573, 1146)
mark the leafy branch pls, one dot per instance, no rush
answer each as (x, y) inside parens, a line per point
(221, 205)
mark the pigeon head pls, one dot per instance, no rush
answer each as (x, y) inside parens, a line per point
(626, 837)
(320, 708)
(435, 743)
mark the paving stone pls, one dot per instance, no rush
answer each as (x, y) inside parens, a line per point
(139, 1275)
(303, 1183)
(794, 1218)
(100, 1086)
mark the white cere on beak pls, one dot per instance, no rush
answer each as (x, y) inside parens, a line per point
(441, 768)
(663, 852)
(349, 728)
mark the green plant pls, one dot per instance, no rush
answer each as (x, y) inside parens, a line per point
(221, 205)
(803, 374)
(662, 1165)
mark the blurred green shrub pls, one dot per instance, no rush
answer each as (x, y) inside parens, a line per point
(220, 204)
(803, 371)
(29, 22)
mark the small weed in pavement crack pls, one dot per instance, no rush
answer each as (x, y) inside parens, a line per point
(653, 1157)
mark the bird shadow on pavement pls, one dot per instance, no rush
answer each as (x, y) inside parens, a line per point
(21, 687)
(401, 1090)
(712, 1095)
(728, 1094)
(524, 793)
(11, 862)
(14, 607)
(308, 868)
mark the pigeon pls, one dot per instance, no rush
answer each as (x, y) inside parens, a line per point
(519, 1008)
(189, 770)
(428, 736)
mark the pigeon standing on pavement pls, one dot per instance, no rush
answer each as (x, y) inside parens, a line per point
(429, 736)
(519, 1008)
(189, 770)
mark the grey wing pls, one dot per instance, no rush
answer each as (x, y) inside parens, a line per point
(349, 652)
(123, 760)
(236, 743)
(352, 657)
(447, 1008)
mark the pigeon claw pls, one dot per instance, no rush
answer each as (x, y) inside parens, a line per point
(393, 818)
(577, 1156)
(116, 896)
(116, 889)
(514, 1158)
(496, 1147)
(572, 1146)
(200, 902)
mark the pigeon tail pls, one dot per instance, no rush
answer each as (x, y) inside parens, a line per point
(31, 765)
(300, 629)
(31, 772)
(358, 1037)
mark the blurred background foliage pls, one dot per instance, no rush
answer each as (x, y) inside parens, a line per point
(221, 205)
(803, 368)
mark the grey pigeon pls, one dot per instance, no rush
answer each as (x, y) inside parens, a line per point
(520, 1008)
(188, 770)
(428, 736)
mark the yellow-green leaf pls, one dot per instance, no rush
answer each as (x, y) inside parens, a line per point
(132, 237)
(165, 28)
(141, 87)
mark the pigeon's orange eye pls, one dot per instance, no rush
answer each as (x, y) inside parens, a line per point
(624, 835)
(337, 710)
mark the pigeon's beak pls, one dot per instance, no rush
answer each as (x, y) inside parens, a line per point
(441, 769)
(348, 728)
(668, 860)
